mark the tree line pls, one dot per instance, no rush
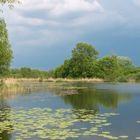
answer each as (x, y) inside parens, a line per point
(83, 63)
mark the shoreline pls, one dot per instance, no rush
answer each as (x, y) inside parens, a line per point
(14, 85)
(18, 82)
(13, 81)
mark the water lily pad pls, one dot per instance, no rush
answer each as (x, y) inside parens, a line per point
(46, 123)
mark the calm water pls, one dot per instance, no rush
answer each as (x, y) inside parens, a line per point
(76, 100)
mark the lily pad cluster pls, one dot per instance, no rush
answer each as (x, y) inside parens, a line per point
(45, 123)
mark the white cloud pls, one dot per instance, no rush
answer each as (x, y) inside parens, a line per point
(75, 6)
(13, 17)
(61, 7)
(51, 12)
(50, 22)
(136, 2)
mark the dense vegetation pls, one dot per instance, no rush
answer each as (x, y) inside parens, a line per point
(85, 63)
(28, 73)
(5, 49)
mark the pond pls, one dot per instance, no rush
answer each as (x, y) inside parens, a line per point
(72, 111)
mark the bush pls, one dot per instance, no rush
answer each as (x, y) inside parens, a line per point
(40, 79)
(2, 84)
(137, 77)
(122, 79)
(133, 77)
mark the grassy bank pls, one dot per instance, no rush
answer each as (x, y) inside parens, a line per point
(13, 83)
(7, 83)
(73, 80)
(17, 81)
(21, 84)
(10, 87)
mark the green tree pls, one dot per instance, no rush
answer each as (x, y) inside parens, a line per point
(108, 68)
(58, 73)
(63, 71)
(84, 50)
(5, 49)
(25, 72)
(84, 64)
(81, 64)
(124, 62)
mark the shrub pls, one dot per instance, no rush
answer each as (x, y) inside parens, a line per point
(137, 77)
(122, 79)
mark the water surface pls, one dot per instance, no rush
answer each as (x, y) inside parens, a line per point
(76, 110)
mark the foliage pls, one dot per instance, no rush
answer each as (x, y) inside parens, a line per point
(1, 84)
(134, 77)
(80, 64)
(124, 62)
(84, 50)
(137, 77)
(84, 64)
(108, 67)
(28, 73)
(122, 79)
(5, 49)
(82, 59)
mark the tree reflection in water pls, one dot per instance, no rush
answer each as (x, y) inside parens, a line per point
(92, 99)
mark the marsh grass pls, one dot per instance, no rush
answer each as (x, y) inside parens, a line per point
(12, 84)
(9, 88)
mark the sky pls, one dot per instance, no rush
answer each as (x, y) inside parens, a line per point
(43, 32)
